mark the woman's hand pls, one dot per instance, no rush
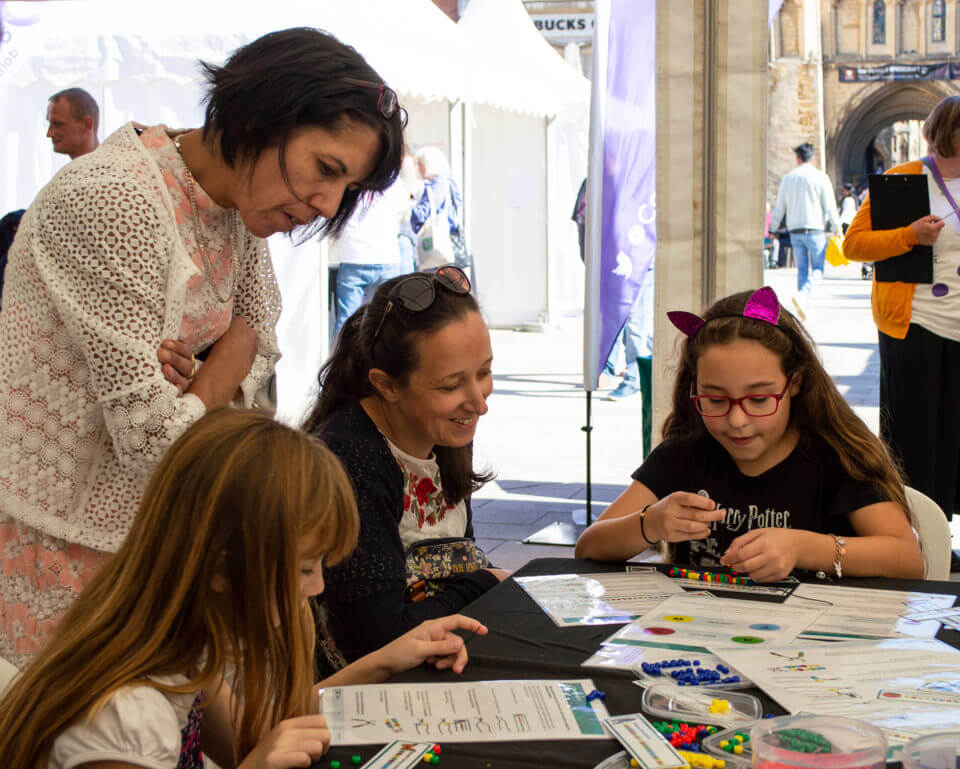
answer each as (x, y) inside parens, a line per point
(177, 363)
(229, 362)
(500, 574)
(291, 743)
(433, 642)
(766, 555)
(927, 228)
(680, 517)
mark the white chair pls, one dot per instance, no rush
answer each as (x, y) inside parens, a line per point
(934, 533)
(7, 674)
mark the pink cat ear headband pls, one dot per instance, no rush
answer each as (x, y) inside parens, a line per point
(762, 305)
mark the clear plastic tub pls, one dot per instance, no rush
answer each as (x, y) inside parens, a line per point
(619, 760)
(668, 663)
(935, 751)
(712, 744)
(694, 703)
(817, 742)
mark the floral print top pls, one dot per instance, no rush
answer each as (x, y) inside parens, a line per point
(426, 512)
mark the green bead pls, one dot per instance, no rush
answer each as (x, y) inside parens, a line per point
(334, 765)
(356, 760)
(435, 760)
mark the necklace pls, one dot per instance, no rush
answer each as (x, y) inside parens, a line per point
(201, 239)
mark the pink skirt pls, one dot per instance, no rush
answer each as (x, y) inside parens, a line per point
(40, 576)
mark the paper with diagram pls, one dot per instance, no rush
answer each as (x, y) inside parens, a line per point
(478, 711)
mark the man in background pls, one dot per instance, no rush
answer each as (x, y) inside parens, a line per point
(73, 117)
(807, 201)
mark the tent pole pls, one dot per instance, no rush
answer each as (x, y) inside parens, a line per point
(588, 429)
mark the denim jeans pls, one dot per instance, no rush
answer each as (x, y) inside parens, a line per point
(809, 251)
(355, 283)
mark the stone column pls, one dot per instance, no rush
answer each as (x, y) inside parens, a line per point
(711, 161)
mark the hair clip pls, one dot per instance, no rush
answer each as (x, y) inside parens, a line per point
(762, 305)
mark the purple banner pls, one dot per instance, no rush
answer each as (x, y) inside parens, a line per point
(628, 229)
(774, 10)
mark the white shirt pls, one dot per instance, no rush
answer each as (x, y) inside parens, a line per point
(370, 235)
(138, 725)
(936, 306)
(426, 514)
(806, 198)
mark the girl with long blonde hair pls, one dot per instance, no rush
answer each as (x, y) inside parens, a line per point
(201, 617)
(764, 467)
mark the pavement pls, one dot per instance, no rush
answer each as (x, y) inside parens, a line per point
(532, 438)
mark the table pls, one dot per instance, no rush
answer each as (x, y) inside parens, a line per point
(524, 643)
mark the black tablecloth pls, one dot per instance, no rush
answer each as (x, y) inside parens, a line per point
(525, 643)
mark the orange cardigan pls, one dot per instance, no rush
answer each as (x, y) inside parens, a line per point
(892, 302)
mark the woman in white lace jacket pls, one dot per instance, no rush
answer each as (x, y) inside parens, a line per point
(139, 256)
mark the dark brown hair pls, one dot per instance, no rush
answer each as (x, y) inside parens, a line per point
(293, 79)
(941, 126)
(817, 409)
(345, 376)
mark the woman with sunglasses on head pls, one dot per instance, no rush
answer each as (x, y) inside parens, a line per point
(141, 255)
(399, 403)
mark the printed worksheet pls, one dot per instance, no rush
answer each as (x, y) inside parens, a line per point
(478, 711)
(598, 599)
(691, 622)
(834, 677)
(856, 612)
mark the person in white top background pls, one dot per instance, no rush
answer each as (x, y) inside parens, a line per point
(135, 258)
(805, 199)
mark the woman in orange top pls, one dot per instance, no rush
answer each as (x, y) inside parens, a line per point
(919, 323)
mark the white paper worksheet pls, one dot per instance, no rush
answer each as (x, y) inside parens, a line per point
(691, 622)
(478, 711)
(856, 612)
(905, 686)
(598, 599)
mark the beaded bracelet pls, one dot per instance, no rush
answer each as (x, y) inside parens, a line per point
(643, 514)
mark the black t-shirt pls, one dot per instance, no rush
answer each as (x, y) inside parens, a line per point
(807, 490)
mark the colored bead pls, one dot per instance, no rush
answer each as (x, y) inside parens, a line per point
(738, 749)
(334, 765)
(436, 750)
(427, 756)
(435, 760)
(356, 760)
(634, 763)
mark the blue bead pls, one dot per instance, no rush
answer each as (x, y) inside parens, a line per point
(696, 662)
(723, 668)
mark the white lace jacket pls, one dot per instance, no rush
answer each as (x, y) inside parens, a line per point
(96, 279)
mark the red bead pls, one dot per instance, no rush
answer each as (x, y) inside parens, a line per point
(436, 749)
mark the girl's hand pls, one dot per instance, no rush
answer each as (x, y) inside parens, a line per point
(177, 363)
(291, 743)
(433, 642)
(766, 555)
(681, 516)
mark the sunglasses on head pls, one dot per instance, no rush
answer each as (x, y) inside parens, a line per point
(418, 292)
(388, 104)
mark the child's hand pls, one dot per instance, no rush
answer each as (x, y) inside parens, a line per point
(766, 555)
(294, 742)
(433, 642)
(681, 516)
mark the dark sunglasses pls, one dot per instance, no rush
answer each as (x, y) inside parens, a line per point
(388, 104)
(417, 292)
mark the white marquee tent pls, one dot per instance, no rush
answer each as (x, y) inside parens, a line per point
(479, 93)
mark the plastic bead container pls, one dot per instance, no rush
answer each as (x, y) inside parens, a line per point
(712, 745)
(619, 760)
(668, 667)
(817, 742)
(694, 703)
(935, 751)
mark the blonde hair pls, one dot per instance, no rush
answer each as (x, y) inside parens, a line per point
(942, 125)
(232, 503)
(433, 162)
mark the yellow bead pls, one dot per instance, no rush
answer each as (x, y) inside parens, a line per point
(427, 757)
(738, 749)
(720, 763)
(724, 743)
(634, 763)
(738, 737)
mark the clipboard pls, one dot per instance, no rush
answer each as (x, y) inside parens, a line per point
(897, 200)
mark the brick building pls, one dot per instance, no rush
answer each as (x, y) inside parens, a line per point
(856, 77)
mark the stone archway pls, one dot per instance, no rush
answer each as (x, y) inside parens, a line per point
(876, 107)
